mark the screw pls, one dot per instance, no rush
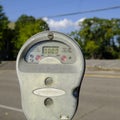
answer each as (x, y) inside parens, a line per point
(50, 36)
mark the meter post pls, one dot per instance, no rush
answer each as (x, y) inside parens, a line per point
(50, 68)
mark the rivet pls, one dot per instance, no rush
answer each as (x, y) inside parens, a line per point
(50, 36)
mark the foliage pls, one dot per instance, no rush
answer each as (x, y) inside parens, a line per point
(12, 38)
(3, 27)
(100, 38)
(7, 51)
(91, 49)
(26, 26)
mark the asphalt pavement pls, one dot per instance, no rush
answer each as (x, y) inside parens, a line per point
(99, 96)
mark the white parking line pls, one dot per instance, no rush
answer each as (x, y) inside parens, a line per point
(11, 108)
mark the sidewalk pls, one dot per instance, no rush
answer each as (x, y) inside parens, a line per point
(104, 65)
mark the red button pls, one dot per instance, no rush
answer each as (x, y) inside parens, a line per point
(63, 58)
(38, 57)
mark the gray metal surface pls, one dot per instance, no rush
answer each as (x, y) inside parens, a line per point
(65, 67)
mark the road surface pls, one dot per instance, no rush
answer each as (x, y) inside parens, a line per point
(99, 97)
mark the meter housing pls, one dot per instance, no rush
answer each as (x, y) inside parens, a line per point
(50, 68)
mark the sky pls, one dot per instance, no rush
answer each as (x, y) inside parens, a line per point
(45, 8)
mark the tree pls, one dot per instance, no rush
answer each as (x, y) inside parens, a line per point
(97, 37)
(8, 45)
(23, 20)
(3, 27)
(91, 49)
(26, 26)
(75, 35)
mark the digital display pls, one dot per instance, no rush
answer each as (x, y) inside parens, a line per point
(50, 50)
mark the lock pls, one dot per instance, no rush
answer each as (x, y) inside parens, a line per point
(50, 68)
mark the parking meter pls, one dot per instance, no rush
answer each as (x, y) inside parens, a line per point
(50, 68)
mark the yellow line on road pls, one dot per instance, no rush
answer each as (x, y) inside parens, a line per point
(102, 76)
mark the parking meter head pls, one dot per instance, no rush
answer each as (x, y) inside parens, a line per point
(50, 68)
